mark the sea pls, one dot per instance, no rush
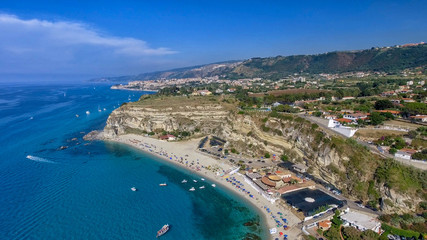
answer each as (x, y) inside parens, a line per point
(55, 185)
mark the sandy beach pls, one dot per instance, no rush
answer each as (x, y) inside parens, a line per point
(185, 154)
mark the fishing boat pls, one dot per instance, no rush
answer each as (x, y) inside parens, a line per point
(213, 185)
(184, 181)
(202, 187)
(133, 189)
(163, 184)
(192, 189)
(162, 231)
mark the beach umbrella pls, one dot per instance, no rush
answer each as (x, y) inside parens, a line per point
(280, 233)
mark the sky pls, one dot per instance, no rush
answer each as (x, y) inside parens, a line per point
(113, 38)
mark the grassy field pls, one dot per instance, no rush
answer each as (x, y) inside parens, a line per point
(377, 133)
(407, 125)
(174, 102)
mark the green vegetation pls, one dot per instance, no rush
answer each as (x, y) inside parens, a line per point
(400, 232)
(383, 104)
(400, 177)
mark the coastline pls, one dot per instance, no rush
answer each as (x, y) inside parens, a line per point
(185, 155)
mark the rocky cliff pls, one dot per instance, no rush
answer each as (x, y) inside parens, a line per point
(350, 167)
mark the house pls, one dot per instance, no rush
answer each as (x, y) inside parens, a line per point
(393, 112)
(300, 168)
(342, 121)
(324, 225)
(168, 137)
(327, 116)
(419, 118)
(347, 98)
(283, 174)
(356, 116)
(361, 221)
(276, 104)
(202, 93)
(218, 91)
(405, 153)
(407, 100)
(231, 90)
(388, 94)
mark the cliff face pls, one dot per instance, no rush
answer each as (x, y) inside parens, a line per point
(197, 115)
(340, 162)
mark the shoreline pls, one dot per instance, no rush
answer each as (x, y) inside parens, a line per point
(184, 154)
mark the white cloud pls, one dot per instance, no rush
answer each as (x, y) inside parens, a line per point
(36, 45)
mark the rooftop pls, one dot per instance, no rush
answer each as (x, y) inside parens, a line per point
(360, 219)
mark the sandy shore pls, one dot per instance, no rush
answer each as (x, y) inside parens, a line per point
(185, 154)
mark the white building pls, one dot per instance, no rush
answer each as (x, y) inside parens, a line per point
(405, 153)
(356, 116)
(361, 221)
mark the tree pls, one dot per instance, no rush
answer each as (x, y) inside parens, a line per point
(383, 104)
(351, 233)
(369, 235)
(376, 118)
(267, 155)
(284, 158)
(415, 108)
(392, 151)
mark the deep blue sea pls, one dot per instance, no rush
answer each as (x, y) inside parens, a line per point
(83, 191)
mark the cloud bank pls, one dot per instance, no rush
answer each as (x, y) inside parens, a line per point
(39, 46)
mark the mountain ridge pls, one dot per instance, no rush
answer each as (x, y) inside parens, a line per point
(386, 59)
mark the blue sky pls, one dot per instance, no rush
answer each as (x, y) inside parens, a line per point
(109, 38)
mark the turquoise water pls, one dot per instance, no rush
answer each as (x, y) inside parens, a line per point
(83, 191)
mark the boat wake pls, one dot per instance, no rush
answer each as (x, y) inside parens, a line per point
(39, 159)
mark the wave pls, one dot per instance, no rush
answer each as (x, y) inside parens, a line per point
(39, 159)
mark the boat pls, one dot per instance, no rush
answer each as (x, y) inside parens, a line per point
(203, 179)
(184, 181)
(202, 187)
(163, 184)
(162, 231)
(77, 115)
(133, 189)
(194, 180)
(213, 185)
(87, 112)
(192, 189)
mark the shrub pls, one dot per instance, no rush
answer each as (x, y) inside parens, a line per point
(267, 155)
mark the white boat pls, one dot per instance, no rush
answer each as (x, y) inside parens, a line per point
(104, 109)
(87, 112)
(162, 184)
(77, 115)
(213, 185)
(192, 189)
(162, 231)
(202, 187)
(133, 189)
(202, 179)
(194, 180)
(184, 181)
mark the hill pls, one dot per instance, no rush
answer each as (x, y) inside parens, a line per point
(387, 59)
(376, 59)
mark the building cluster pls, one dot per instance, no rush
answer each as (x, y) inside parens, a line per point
(279, 182)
